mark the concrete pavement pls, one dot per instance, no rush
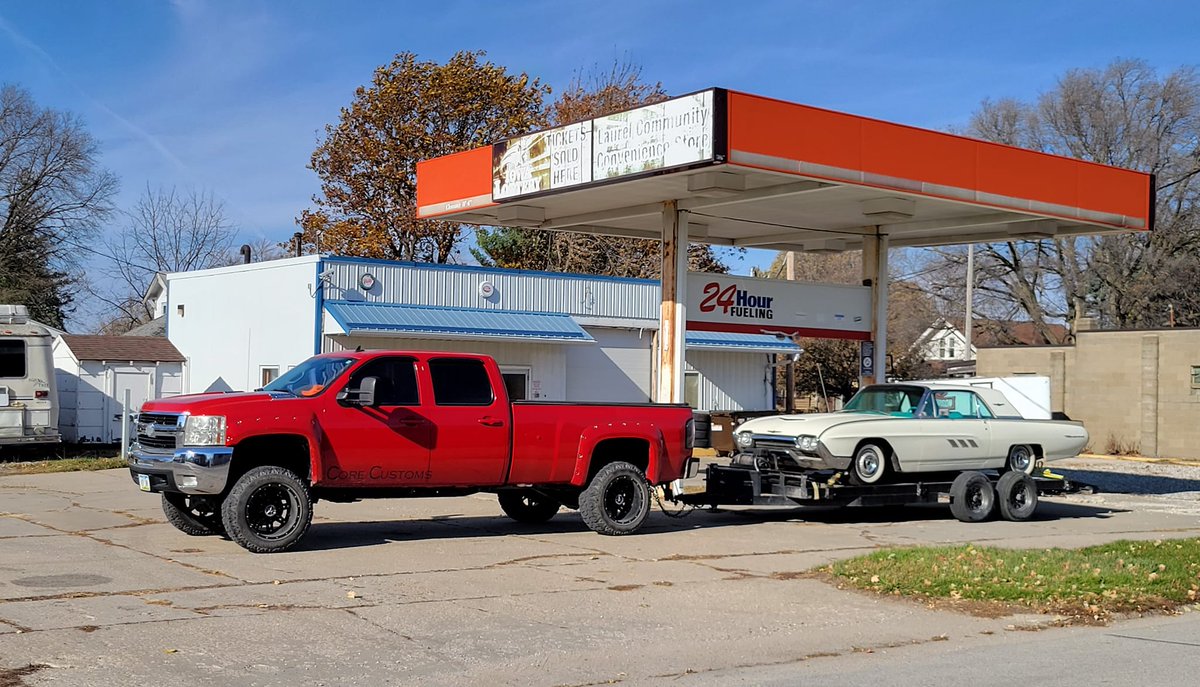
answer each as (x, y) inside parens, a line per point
(97, 589)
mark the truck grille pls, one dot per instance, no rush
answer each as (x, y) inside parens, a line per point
(158, 430)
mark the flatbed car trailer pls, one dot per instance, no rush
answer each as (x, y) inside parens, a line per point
(972, 496)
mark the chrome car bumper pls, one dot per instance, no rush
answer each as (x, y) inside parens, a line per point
(823, 460)
(188, 470)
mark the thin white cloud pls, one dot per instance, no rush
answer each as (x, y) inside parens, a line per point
(33, 48)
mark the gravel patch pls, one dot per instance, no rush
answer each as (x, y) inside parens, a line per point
(1133, 477)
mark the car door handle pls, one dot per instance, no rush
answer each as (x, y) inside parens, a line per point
(491, 421)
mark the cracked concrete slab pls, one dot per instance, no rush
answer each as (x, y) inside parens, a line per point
(448, 592)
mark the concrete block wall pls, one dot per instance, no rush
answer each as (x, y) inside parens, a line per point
(1131, 389)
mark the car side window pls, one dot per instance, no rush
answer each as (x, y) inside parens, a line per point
(397, 381)
(959, 405)
(460, 382)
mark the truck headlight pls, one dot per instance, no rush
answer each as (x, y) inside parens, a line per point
(204, 430)
(806, 442)
(745, 439)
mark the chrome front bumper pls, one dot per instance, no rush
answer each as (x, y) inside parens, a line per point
(198, 470)
(823, 460)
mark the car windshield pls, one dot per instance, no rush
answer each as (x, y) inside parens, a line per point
(890, 399)
(310, 377)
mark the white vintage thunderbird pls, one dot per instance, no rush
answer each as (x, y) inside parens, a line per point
(906, 428)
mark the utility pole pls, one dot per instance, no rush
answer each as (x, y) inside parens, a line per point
(789, 385)
(970, 298)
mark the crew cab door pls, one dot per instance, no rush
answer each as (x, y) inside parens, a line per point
(474, 422)
(382, 445)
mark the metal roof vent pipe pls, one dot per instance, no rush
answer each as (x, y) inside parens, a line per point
(245, 251)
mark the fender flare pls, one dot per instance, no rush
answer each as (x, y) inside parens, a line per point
(592, 436)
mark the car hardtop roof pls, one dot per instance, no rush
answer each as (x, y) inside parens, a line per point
(924, 385)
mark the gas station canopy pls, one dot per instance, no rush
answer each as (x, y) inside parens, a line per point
(733, 169)
(758, 172)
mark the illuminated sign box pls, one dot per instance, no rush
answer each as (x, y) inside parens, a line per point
(725, 303)
(675, 133)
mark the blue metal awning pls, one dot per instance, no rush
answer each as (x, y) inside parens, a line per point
(417, 321)
(750, 343)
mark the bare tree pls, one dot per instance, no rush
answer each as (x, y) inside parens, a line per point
(165, 231)
(53, 196)
(1124, 115)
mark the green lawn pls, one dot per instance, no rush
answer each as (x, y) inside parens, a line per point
(61, 465)
(1092, 583)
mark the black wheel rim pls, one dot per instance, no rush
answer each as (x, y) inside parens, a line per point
(200, 508)
(975, 498)
(1018, 498)
(271, 511)
(622, 499)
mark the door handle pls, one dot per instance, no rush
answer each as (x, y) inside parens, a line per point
(488, 421)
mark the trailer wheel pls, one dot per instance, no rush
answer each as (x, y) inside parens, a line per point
(616, 501)
(870, 465)
(527, 505)
(1021, 458)
(972, 497)
(195, 516)
(1017, 495)
(268, 509)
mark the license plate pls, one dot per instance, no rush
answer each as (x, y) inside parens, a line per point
(144, 482)
(718, 428)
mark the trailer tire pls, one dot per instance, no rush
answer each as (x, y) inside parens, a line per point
(268, 509)
(1021, 458)
(1017, 496)
(870, 465)
(527, 505)
(195, 516)
(616, 501)
(972, 497)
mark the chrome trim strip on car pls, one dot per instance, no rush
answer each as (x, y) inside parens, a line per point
(208, 466)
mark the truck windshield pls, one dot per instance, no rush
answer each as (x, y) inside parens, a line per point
(310, 377)
(895, 399)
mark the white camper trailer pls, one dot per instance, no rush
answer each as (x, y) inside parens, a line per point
(28, 400)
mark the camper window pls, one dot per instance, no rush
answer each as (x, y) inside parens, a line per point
(12, 358)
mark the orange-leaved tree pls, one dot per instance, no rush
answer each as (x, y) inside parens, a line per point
(412, 110)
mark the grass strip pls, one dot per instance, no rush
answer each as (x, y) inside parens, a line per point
(37, 467)
(1096, 582)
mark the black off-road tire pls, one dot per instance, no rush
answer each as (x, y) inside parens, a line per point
(972, 497)
(1017, 496)
(195, 516)
(268, 509)
(869, 455)
(616, 501)
(527, 505)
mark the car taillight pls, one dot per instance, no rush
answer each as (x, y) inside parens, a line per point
(41, 393)
(689, 434)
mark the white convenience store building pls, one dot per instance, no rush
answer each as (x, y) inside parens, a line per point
(557, 337)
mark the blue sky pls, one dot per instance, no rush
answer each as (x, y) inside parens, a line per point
(232, 96)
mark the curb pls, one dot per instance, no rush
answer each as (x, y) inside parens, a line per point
(1141, 459)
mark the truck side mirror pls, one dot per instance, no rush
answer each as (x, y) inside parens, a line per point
(363, 396)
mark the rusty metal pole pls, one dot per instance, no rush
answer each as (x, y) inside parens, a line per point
(673, 314)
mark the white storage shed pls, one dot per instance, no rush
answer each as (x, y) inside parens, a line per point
(93, 372)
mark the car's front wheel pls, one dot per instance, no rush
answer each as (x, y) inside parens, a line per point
(870, 465)
(268, 509)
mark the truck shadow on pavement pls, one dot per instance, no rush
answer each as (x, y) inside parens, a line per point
(344, 535)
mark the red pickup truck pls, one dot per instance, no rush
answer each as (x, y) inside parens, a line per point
(379, 424)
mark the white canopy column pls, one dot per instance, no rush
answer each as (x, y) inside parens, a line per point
(875, 271)
(673, 314)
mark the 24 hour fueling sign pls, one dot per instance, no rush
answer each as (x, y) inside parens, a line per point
(669, 134)
(774, 306)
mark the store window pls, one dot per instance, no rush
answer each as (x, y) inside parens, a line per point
(268, 374)
(516, 381)
(1195, 376)
(691, 389)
